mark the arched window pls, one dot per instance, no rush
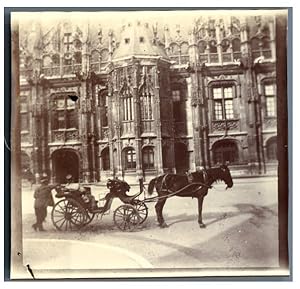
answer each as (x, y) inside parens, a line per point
(184, 53)
(77, 44)
(213, 55)
(148, 158)
(236, 48)
(272, 149)
(55, 64)
(55, 60)
(127, 105)
(129, 159)
(95, 60)
(225, 151)
(174, 52)
(178, 105)
(104, 55)
(103, 108)
(47, 61)
(174, 49)
(213, 46)
(261, 47)
(146, 101)
(202, 46)
(105, 159)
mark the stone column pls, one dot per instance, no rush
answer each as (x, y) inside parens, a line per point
(193, 50)
(249, 94)
(197, 119)
(37, 100)
(45, 129)
(158, 120)
(35, 129)
(110, 128)
(92, 135)
(117, 123)
(219, 47)
(137, 123)
(85, 107)
(272, 37)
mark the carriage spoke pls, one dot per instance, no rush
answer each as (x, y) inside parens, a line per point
(119, 214)
(62, 223)
(67, 222)
(59, 211)
(124, 227)
(57, 221)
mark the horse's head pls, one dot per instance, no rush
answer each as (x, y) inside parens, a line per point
(226, 176)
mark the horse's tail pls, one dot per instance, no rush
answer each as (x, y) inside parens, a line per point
(151, 186)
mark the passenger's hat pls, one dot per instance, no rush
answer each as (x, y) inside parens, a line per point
(44, 180)
(69, 177)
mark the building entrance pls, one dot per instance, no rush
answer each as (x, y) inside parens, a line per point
(65, 162)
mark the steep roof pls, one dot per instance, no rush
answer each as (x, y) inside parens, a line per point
(137, 39)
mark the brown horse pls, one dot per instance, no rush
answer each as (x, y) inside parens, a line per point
(197, 185)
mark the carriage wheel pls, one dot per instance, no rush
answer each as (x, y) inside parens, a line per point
(142, 210)
(126, 217)
(68, 214)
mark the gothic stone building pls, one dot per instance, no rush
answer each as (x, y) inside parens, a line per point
(142, 99)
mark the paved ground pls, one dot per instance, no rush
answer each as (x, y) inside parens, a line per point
(241, 233)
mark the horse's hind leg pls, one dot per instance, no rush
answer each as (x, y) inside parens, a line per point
(159, 208)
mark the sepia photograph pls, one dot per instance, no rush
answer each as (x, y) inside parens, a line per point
(149, 143)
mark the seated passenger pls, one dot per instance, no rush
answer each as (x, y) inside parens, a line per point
(86, 194)
(70, 185)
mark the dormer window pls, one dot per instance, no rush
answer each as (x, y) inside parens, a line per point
(127, 40)
(142, 39)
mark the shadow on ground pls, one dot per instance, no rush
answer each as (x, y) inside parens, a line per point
(106, 224)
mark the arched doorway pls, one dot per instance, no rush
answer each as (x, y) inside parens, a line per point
(225, 151)
(181, 158)
(271, 148)
(64, 162)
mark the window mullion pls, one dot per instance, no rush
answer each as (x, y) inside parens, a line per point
(223, 104)
(65, 113)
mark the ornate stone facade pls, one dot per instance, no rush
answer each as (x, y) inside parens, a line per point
(142, 99)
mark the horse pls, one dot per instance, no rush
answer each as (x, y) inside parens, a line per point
(194, 185)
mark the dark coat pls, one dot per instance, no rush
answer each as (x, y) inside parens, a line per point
(43, 196)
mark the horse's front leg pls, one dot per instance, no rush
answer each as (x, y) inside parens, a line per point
(200, 204)
(159, 208)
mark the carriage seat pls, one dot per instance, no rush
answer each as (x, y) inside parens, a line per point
(128, 199)
(118, 189)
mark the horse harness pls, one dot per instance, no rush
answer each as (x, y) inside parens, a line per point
(163, 183)
(164, 188)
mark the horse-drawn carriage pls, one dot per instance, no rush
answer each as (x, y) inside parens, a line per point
(77, 208)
